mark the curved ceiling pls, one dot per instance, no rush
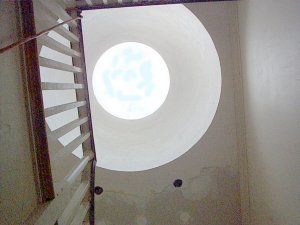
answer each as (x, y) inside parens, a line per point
(195, 85)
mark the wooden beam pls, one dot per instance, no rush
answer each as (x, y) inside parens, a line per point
(81, 78)
(35, 105)
(76, 172)
(57, 46)
(60, 86)
(141, 3)
(80, 214)
(68, 127)
(61, 108)
(70, 147)
(92, 193)
(52, 64)
(84, 96)
(69, 212)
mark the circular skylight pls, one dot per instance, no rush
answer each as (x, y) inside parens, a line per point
(131, 80)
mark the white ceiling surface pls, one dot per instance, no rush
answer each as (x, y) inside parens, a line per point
(195, 87)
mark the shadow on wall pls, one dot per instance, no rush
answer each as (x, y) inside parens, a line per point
(207, 199)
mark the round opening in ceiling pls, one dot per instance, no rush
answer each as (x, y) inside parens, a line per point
(131, 80)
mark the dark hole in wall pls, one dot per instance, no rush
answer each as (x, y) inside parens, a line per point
(98, 190)
(177, 183)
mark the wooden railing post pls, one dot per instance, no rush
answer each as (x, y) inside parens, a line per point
(83, 95)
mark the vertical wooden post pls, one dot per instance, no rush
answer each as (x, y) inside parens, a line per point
(81, 78)
(92, 191)
(34, 102)
(83, 95)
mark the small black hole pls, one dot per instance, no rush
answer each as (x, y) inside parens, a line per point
(177, 183)
(98, 190)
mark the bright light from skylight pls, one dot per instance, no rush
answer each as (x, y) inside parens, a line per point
(131, 80)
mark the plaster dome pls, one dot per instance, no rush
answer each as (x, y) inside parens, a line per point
(194, 92)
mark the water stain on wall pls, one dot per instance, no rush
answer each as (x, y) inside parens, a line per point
(211, 198)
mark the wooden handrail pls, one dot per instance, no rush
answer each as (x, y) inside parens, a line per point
(46, 19)
(32, 35)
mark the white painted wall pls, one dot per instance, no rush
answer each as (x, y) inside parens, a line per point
(270, 46)
(17, 187)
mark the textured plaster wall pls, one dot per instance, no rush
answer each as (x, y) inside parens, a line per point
(17, 187)
(270, 47)
(210, 171)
